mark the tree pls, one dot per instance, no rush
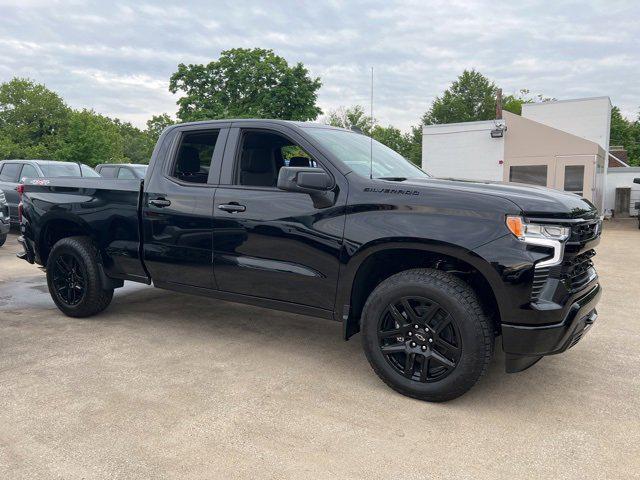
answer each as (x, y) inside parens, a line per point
(245, 83)
(347, 117)
(91, 139)
(156, 124)
(513, 103)
(471, 97)
(32, 119)
(626, 133)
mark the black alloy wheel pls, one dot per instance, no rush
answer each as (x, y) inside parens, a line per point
(419, 339)
(68, 279)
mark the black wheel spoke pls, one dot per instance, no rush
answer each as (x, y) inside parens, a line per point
(448, 348)
(424, 371)
(412, 316)
(396, 348)
(435, 355)
(397, 316)
(409, 363)
(390, 333)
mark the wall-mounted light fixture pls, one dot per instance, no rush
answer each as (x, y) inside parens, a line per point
(498, 132)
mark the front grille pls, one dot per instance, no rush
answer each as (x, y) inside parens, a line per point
(582, 232)
(575, 270)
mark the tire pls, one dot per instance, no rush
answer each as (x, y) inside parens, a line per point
(453, 344)
(3, 238)
(81, 258)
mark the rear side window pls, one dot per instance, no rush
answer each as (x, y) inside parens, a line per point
(10, 172)
(194, 156)
(28, 171)
(125, 174)
(108, 172)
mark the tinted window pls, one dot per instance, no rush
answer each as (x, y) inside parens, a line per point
(574, 178)
(531, 174)
(60, 169)
(88, 171)
(108, 172)
(10, 172)
(193, 160)
(28, 171)
(125, 173)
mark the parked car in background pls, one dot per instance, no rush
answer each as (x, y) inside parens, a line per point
(4, 219)
(122, 171)
(12, 173)
(637, 205)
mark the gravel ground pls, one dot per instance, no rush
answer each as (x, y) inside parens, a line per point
(164, 385)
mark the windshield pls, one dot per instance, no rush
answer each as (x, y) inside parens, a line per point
(66, 170)
(354, 150)
(141, 169)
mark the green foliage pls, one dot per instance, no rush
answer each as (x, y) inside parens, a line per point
(246, 83)
(471, 97)
(31, 119)
(626, 133)
(409, 145)
(513, 103)
(351, 117)
(91, 139)
(156, 124)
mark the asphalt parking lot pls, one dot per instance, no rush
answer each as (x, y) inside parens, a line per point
(164, 385)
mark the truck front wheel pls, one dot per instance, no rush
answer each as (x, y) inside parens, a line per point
(426, 335)
(74, 280)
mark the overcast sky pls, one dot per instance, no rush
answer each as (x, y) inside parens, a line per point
(116, 57)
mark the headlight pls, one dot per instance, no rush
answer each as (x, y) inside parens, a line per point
(523, 230)
(541, 235)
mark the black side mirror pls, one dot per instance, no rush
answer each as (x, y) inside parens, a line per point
(304, 179)
(636, 180)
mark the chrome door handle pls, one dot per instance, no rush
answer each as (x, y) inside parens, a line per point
(160, 202)
(232, 207)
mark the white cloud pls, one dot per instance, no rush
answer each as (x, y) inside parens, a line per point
(117, 57)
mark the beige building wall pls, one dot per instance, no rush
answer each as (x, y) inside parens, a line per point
(571, 163)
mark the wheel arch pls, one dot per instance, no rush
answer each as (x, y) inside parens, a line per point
(379, 260)
(55, 227)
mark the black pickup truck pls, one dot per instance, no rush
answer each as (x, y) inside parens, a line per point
(328, 223)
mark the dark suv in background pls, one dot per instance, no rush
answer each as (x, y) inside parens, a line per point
(13, 172)
(122, 171)
(4, 219)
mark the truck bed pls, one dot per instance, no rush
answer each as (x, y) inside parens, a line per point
(107, 210)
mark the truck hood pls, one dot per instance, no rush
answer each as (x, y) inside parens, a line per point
(533, 200)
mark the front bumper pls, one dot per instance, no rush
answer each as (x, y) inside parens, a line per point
(524, 345)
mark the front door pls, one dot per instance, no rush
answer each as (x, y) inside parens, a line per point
(271, 243)
(177, 208)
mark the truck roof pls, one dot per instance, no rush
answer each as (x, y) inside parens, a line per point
(297, 123)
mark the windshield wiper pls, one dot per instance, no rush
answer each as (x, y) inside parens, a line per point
(393, 179)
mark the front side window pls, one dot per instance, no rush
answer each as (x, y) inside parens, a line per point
(10, 172)
(194, 156)
(365, 156)
(262, 154)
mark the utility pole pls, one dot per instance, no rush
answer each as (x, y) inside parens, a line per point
(499, 104)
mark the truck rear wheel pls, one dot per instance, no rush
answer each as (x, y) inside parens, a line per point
(74, 280)
(426, 335)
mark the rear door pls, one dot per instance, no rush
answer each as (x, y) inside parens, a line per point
(9, 177)
(177, 207)
(271, 243)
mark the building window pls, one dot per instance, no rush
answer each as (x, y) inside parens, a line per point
(574, 179)
(530, 174)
